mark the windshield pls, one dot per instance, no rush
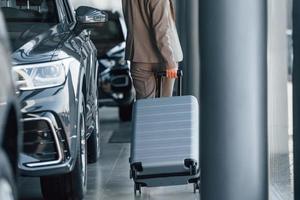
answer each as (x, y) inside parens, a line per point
(26, 19)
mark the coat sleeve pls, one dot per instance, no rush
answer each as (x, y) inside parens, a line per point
(161, 19)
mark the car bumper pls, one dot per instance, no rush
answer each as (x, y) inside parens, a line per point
(49, 120)
(116, 88)
(45, 150)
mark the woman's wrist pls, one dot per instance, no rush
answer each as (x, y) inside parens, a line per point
(171, 73)
(172, 66)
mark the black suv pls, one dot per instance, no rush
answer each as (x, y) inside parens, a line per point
(56, 65)
(10, 128)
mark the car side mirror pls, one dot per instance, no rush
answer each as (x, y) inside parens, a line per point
(87, 16)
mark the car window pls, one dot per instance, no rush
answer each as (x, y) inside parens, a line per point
(39, 11)
(67, 8)
(26, 19)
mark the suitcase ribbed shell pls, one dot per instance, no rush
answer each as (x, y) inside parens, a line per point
(165, 134)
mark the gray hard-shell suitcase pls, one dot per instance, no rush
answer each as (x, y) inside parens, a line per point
(165, 142)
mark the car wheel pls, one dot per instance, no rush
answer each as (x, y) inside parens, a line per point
(70, 186)
(125, 112)
(94, 142)
(7, 186)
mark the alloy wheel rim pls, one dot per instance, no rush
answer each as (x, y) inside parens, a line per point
(6, 191)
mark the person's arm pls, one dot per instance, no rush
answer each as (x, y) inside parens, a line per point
(161, 15)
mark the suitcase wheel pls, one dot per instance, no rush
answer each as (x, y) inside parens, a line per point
(197, 187)
(137, 187)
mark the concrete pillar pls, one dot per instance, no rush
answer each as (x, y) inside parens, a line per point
(296, 97)
(233, 99)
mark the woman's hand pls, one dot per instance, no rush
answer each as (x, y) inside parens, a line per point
(171, 73)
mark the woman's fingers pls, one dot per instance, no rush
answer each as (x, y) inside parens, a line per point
(175, 74)
(171, 73)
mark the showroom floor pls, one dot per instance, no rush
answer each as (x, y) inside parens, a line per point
(109, 178)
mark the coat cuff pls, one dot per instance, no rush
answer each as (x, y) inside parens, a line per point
(172, 65)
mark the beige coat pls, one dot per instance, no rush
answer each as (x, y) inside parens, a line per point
(152, 36)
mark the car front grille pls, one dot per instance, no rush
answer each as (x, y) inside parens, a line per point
(120, 81)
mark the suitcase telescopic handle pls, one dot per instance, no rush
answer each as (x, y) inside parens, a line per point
(161, 74)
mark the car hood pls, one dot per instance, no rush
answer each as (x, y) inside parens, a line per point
(37, 45)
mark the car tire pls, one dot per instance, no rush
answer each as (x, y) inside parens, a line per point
(94, 142)
(125, 112)
(7, 184)
(70, 186)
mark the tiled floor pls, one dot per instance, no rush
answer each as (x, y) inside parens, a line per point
(109, 178)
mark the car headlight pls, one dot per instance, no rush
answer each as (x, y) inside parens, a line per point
(42, 75)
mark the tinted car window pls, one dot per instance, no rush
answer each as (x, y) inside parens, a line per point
(27, 19)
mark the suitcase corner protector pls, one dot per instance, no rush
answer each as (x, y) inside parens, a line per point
(137, 166)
